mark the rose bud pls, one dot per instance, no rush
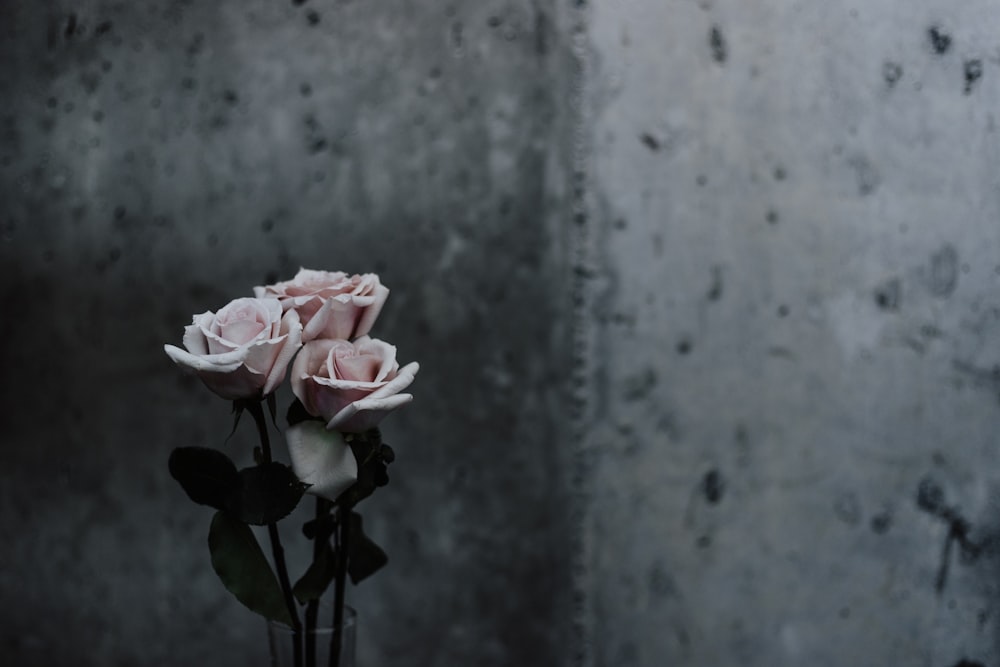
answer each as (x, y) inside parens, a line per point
(351, 386)
(321, 458)
(243, 351)
(330, 304)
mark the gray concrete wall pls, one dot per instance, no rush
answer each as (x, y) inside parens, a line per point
(162, 158)
(704, 294)
(794, 296)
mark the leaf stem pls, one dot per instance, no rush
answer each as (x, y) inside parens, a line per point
(277, 551)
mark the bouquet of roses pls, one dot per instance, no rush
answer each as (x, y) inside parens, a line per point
(344, 383)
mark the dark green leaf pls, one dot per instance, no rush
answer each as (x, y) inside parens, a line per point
(243, 569)
(316, 579)
(368, 451)
(322, 526)
(267, 493)
(297, 414)
(365, 558)
(207, 475)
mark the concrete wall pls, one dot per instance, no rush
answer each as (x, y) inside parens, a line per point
(795, 265)
(162, 158)
(704, 294)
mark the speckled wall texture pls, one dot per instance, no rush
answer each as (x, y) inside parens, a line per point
(706, 295)
(161, 158)
(795, 290)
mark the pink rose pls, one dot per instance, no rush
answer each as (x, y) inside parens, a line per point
(352, 386)
(330, 304)
(243, 351)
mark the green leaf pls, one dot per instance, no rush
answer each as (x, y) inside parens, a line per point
(243, 569)
(207, 475)
(267, 493)
(317, 578)
(365, 558)
(297, 414)
(373, 459)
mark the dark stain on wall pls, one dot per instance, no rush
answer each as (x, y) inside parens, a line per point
(942, 275)
(717, 43)
(892, 72)
(940, 40)
(650, 141)
(973, 71)
(889, 295)
(881, 522)
(931, 500)
(716, 286)
(713, 486)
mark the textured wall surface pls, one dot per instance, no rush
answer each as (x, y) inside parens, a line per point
(718, 278)
(161, 158)
(795, 294)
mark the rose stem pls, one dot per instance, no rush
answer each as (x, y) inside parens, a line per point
(272, 531)
(312, 610)
(343, 547)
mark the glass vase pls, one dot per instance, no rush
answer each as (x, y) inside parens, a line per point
(316, 645)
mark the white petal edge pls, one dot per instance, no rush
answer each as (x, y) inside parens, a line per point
(216, 363)
(368, 405)
(402, 380)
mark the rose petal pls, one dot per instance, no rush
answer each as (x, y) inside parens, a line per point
(261, 356)
(221, 363)
(291, 329)
(217, 344)
(318, 278)
(321, 458)
(309, 361)
(402, 380)
(242, 383)
(347, 385)
(194, 340)
(194, 333)
(336, 318)
(225, 374)
(366, 413)
(243, 320)
(359, 367)
(325, 402)
(381, 349)
(371, 313)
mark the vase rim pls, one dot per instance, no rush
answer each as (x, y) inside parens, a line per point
(350, 620)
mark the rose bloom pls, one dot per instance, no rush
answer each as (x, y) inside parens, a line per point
(243, 351)
(352, 386)
(330, 304)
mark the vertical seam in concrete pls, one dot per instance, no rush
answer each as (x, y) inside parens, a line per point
(581, 239)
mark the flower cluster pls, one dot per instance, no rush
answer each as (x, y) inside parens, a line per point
(317, 324)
